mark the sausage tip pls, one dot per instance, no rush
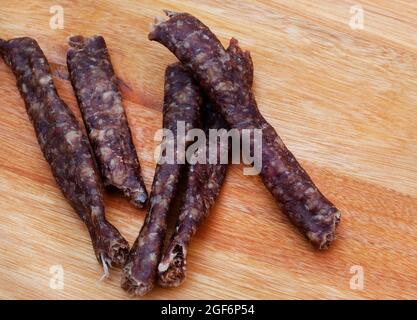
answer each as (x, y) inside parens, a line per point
(76, 41)
(132, 285)
(116, 254)
(153, 25)
(120, 254)
(140, 200)
(324, 239)
(159, 20)
(170, 13)
(171, 270)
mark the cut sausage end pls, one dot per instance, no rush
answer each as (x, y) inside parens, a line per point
(116, 255)
(132, 285)
(111, 248)
(76, 41)
(153, 25)
(119, 254)
(172, 269)
(160, 20)
(323, 240)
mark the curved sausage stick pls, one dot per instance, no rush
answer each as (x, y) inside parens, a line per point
(100, 101)
(182, 102)
(202, 53)
(64, 145)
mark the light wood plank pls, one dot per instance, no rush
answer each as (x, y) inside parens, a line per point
(343, 100)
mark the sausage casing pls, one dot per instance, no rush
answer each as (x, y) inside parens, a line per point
(182, 102)
(219, 76)
(95, 85)
(64, 145)
(203, 183)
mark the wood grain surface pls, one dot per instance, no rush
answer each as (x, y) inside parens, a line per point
(344, 100)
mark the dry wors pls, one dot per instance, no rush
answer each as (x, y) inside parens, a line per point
(203, 183)
(64, 145)
(220, 77)
(99, 99)
(182, 103)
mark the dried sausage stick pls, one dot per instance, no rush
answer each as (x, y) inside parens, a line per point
(182, 102)
(64, 145)
(202, 53)
(99, 98)
(202, 187)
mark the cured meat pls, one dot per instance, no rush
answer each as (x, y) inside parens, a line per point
(100, 101)
(203, 184)
(219, 76)
(64, 145)
(182, 102)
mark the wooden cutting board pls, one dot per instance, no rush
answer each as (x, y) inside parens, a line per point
(343, 99)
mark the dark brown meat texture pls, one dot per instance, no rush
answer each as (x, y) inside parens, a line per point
(203, 184)
(182, 102)
(202, 187)
(64, 145)
(219, 76)
(100, 101)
